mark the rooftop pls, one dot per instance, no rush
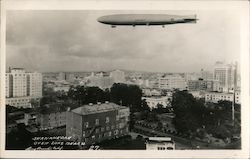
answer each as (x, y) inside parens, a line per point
(160, 139)
(97, 108)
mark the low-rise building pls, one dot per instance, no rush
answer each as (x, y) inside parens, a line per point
(95, 123)
(50, 117)
(19, 102)
(153, 101)
(197, 94)
(151, 92)
(160, 143)
(217, 96)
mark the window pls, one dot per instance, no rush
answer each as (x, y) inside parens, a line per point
(112, 127)
(107, 128)
(102, 129)
(107, 119)
(93, 137)
(117, 117)
(86, 124)
(83, 134)
(96, 121)
(97, 130)
(110, 133)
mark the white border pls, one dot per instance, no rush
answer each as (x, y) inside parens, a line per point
(241, 7)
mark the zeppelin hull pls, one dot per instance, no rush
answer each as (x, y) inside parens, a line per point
(145, 19)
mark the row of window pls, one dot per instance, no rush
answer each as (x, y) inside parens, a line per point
(97, 121)
(106, 134)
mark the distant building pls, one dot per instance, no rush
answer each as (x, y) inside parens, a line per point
(172, 81)
(226, 74)
(61, 76)
(217, 96)
(202, 85)
(151, 92)
(22, 87)
(100, 80)
(197, 94)
(95, 123)
(160, 143)
(118, 76)
(70, 77)
(152, 102)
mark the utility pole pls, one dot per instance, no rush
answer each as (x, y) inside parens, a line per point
(233, 107)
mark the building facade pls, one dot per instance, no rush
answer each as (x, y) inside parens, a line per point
(217, 96)
(118, 76)
(226, 74)
(51, 120)
(160, 143)
(154, 101)
(174, 81)
(95, 123)
(22, 87)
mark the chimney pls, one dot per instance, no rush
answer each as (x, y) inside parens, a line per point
(106, 102)
(90, 103)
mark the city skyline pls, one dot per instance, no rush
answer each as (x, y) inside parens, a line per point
(36, 41)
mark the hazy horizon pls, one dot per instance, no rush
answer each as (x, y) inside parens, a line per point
(73, 41)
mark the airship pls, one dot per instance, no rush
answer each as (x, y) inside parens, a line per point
(145, 19)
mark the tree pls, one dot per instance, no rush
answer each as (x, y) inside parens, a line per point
(188, 112)
(127, 95)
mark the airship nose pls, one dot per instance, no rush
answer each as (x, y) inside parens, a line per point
(101, 19)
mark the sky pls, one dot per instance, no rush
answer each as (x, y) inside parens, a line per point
(60, 40)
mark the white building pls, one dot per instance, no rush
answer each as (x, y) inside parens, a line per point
(152, 102)
(226, 74)
(118, 76)
(19, 102)
(34, 84)
(22, 87)
(173, 81)
(100, 80)
(217, 96)
(160, 143)
(151, 92)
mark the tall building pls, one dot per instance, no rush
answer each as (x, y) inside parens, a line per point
(17, 82)
(22, 87)
(173, 81)
(95, 123)
(226, 74)
(34, 84)
(118, 76)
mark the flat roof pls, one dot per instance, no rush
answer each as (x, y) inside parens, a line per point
(97, 108)
(160, 139)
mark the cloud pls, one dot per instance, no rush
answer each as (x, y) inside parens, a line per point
(74, 40)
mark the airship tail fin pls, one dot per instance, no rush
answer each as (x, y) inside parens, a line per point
(191, 18)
